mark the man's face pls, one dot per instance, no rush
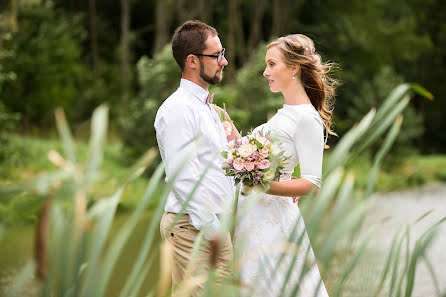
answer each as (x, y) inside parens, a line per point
(211, 71)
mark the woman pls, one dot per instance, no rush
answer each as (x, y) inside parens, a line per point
(266, 222)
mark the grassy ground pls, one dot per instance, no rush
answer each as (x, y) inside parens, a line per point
(412, 171)
(27, 158)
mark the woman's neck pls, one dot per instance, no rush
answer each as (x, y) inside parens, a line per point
(295, 94)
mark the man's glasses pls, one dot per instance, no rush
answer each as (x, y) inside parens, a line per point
(219, 56)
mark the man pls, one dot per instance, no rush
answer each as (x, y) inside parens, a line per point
(188, 128)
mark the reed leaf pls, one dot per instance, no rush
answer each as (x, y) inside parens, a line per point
(99, 123)
(340, 153)
(388, 141)
(65, 135)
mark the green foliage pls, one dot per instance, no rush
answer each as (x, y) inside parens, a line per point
(158, 78)
(44, 55)
(441, 176)
(8, 119)
(253, 102)
(372, 94)
(416, 179)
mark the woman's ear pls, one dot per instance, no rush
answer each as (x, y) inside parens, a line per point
(192, 61)
(295, 70)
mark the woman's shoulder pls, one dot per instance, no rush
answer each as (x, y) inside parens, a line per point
(303, 115)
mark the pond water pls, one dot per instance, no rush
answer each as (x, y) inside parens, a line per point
(392, 211)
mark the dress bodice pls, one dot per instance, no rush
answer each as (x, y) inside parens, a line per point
(299, 130)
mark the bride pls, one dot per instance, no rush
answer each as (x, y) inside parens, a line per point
(270, 230)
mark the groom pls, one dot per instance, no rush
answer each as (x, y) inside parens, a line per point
(188, 128)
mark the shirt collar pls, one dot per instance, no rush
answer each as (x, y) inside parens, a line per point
(195, 90)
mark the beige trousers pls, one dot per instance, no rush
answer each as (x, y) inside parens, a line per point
(181, 239)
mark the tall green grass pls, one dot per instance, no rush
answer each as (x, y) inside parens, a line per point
(74, 259)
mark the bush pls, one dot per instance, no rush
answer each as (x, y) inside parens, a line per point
(441, 176)
(416, 179)
(254, 102)
(8, 123)
(372, 94)
(44, 56)
(158, 78)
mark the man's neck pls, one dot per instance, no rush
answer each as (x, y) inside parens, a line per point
(196, 80)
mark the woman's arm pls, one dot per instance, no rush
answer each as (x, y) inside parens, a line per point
(234, 133)
(291, 188)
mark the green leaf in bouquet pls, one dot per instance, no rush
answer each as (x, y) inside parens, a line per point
(237, 181)
(224, 154)
(248, 182)
(258, 144)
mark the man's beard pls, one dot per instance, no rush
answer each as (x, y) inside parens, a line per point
(210, 80)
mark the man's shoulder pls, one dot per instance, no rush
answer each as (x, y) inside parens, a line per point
(177, 105)
(180, 99)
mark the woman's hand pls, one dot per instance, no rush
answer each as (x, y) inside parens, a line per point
(220, 111)
(295, 199)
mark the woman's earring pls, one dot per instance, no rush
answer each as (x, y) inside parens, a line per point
(293, 77)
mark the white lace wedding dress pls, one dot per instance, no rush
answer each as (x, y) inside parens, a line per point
(270, 229)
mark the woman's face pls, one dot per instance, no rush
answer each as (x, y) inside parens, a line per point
(279, 75)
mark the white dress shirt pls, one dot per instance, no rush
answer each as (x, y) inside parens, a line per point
(189, 128)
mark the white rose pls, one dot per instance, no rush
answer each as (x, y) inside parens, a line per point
(245, 150)
(269, 175)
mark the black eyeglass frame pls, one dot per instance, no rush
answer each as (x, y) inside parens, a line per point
(219, 56)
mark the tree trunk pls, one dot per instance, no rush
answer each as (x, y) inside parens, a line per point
(256, 25)
(125, 67)
(284, 11)
(205, 13)
(278, 18)
(14, 8)
(163, 22)
(94, 39)
(235, 38)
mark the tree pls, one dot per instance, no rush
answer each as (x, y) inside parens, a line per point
(164, 11)
(45, 57)
(94, 38)
(125, 52)
(256, 24)
(235, 37)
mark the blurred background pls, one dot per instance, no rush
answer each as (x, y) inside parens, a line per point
(80, 54)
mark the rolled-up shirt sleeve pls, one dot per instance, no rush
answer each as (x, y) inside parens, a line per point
(178, 135)
(309, 144)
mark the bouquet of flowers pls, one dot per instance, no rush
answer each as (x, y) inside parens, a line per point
(254, 160)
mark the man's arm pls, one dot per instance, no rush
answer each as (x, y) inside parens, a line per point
(178, 129)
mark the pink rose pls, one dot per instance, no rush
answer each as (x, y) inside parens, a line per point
(262, 140)
(264, 164)
(231, 144)
(249, 166)
(264, 152)
(228, 127)
(231, 154)
(238, 164)
(245, 140)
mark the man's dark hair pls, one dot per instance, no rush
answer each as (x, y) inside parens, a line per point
(189, 38)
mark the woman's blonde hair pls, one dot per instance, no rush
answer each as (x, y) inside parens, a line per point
(298, 49)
